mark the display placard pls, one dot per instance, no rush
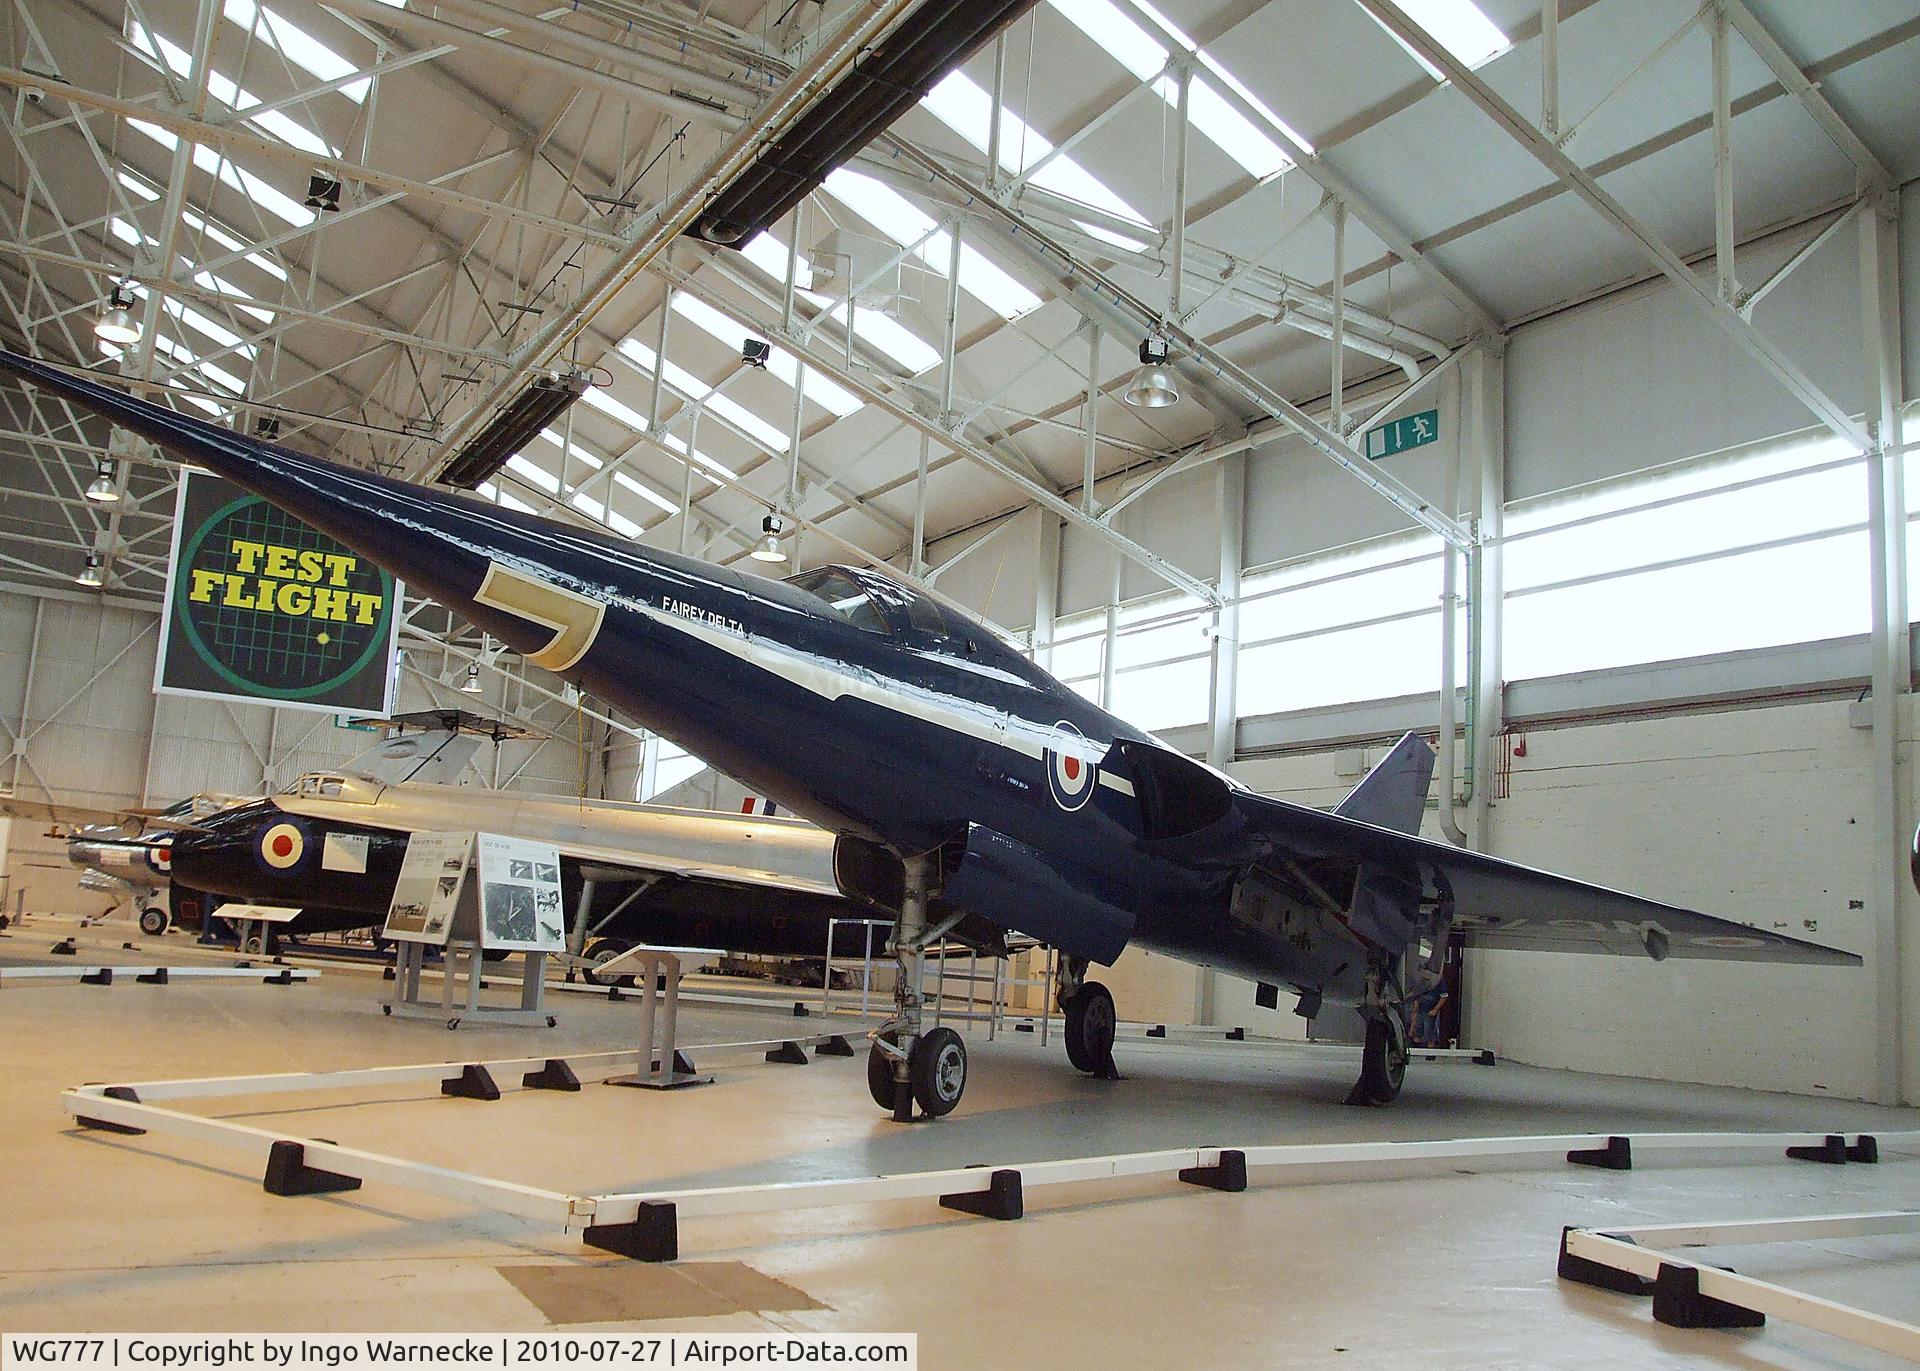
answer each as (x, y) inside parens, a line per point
(262, 606)
(520, 903)
(427, 892)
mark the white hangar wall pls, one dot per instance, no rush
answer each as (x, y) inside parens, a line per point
(88, 711)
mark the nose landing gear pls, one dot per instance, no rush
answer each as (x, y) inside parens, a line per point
(908, 1069)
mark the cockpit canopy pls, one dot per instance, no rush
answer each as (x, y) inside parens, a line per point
(331, 785)
(863, 599)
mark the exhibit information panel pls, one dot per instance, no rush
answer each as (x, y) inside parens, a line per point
(520, 908)
(427, 891)
(261, 606)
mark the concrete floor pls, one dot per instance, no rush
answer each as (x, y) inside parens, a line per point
(1442, 1266)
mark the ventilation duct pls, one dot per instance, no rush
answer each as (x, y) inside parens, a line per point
(513, 426)
(894, 77)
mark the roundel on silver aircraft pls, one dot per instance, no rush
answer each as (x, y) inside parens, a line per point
(1070, 776)
(282, 845)
(160, 856)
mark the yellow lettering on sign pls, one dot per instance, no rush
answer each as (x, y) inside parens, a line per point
(205, 582)
(246, 554)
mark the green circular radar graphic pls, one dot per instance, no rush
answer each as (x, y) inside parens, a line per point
(264, 652)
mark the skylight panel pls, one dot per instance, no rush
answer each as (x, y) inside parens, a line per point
(534, 474)
(963, 106)
(578, 452)
(770, 256)
(891, 337)
(614, 410)
(223, 287)
(1141, 53)
(138, 187)
(896, 216)
(232, 244)
(822, 390)
(679, 445)
(701, 393)
(508, 500)
(1459, 26)
(200, 323)
(251, 186)
(297, 45)
(645, 492)
(273, 123)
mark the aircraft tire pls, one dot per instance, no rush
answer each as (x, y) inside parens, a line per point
(1090, 1027)
(255, 946)
(154, 921)
(601, 950)
(938, 1069)
(880, 1077)
(1383, 1065)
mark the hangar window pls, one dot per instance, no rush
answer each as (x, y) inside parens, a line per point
(843, 595)
(1362, 624)
(1162, 660)
(1759, 551)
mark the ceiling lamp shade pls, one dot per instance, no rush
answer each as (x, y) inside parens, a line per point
(93, 575)
(1153, 386)
(768, 549)
(116, 323)
(105, 489)
(471, 686)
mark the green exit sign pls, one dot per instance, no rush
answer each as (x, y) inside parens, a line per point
(1416, 430)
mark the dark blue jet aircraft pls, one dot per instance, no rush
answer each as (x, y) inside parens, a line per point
(960, 777)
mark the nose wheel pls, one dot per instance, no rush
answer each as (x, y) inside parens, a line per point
(936, 1072)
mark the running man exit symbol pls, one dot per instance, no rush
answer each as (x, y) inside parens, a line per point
(1415, 430)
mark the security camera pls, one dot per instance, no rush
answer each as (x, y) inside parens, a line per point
(35, 96)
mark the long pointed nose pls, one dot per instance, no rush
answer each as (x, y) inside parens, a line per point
(537, 585)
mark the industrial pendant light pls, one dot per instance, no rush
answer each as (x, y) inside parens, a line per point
(1153, 386)
(116, 323)
(768, 549)
(105, 489)
(93, 574)
(471, 686)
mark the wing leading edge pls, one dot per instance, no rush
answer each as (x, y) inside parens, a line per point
(1502, 904)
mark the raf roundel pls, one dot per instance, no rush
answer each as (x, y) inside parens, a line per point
(282, 846)
(160, 856)
(1070, 776)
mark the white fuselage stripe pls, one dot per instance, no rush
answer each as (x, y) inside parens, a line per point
(833, 681)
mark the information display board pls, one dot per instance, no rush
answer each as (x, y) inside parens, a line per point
(427, 892)
(520, 902)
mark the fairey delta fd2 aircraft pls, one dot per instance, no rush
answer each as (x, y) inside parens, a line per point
(960, 778)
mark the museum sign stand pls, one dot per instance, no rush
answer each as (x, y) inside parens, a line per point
(468, 894)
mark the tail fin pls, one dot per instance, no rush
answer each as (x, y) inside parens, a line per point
(1393, 794)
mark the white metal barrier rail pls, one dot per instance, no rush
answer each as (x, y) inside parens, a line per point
(1691, 1294)
(103, 974)
(645, 1224)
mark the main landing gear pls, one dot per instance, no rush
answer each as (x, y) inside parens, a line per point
(1383, 1060)
(1091, 1020)
(906, 1068)
(154, 920)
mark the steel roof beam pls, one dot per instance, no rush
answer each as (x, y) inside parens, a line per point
(1811, 97)
(1544, 151)
(909, 413)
